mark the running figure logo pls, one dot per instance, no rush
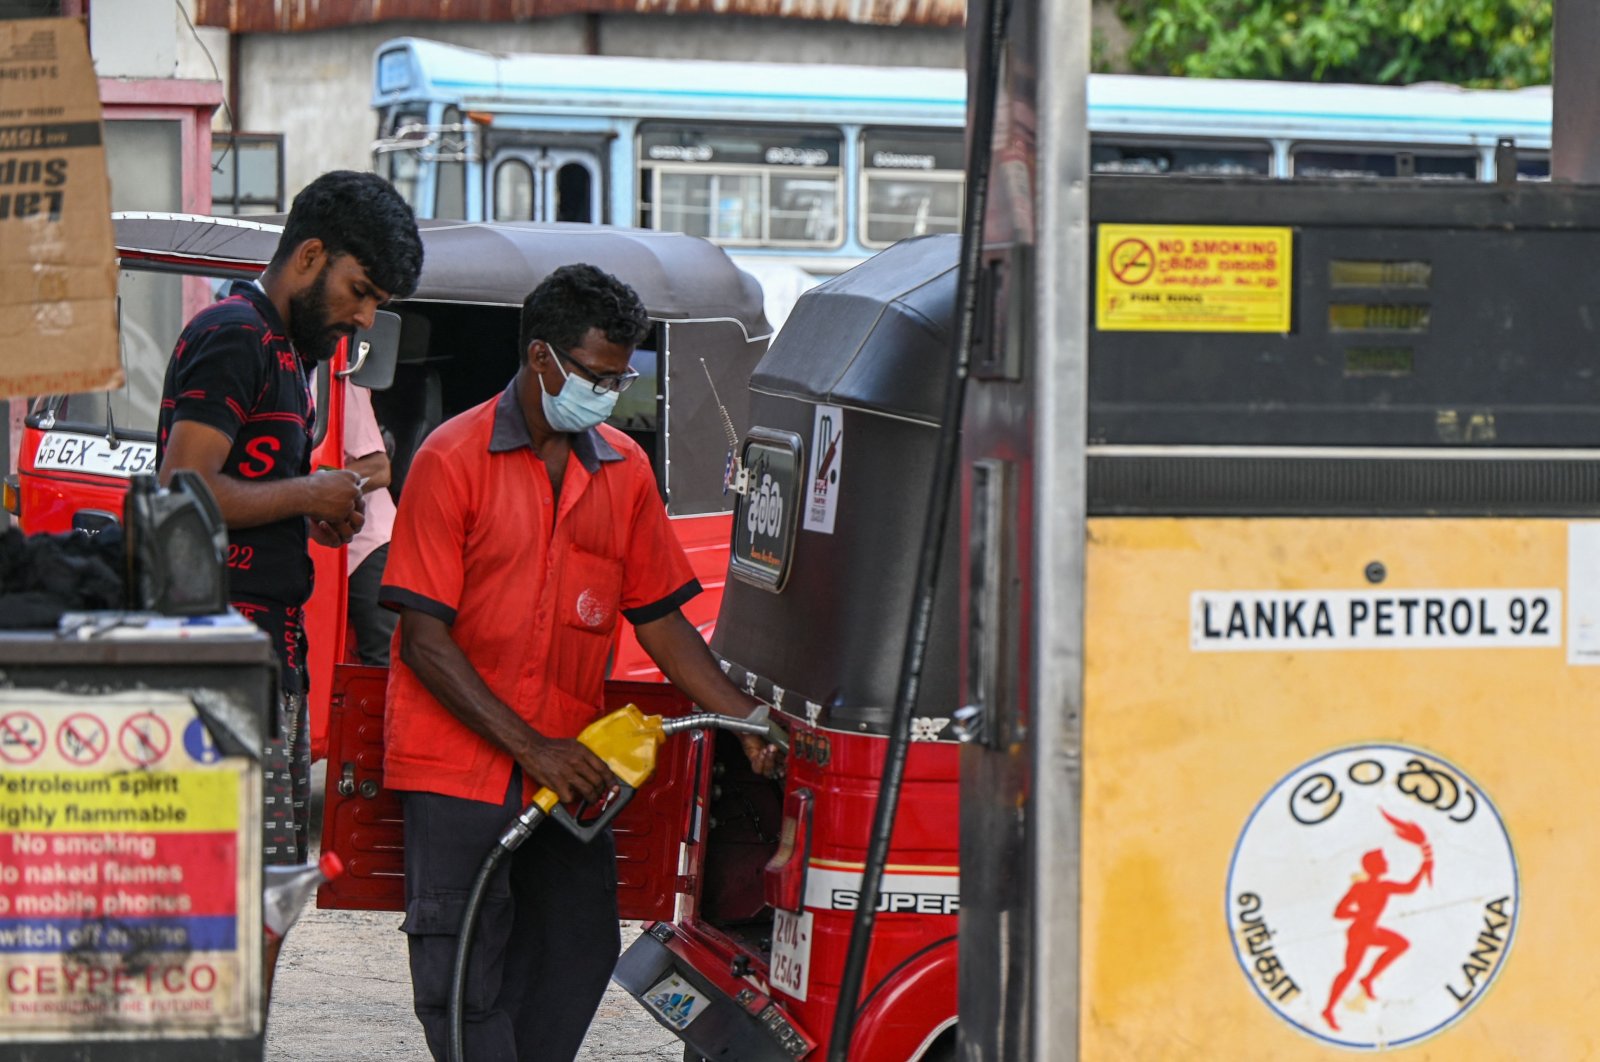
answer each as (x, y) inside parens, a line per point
(1406, 946)
(1364, 904)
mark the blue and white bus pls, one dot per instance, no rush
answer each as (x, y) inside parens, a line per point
(821, 166)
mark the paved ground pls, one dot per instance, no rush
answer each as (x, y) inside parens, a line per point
(343, 992)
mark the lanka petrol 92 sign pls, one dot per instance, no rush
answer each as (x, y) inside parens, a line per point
(1192, 278)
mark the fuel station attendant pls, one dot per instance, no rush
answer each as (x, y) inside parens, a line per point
(528, 527)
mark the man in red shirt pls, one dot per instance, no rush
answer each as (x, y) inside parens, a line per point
(526, 529)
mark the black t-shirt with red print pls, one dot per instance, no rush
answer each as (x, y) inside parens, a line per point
(234, 370)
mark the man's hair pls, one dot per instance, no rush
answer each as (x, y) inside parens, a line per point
(359, 214)
(576, 298)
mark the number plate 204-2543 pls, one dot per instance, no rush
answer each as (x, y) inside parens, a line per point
(791, 953)
(73, 452)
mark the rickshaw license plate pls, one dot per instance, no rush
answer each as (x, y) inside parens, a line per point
(72, 452)
(791, 953)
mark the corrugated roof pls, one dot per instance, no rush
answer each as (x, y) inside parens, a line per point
(289, 16)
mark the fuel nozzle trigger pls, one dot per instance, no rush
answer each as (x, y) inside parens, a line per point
(586, 827)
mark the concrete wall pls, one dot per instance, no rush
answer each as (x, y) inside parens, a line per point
(154, 39)
(134, 39)
(202, 52)
(315, 87)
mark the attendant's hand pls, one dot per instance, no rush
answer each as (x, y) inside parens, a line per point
(765, 759)
(569, 767)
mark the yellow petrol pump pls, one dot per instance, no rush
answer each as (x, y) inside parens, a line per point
(1341, 624)
(1327, 785)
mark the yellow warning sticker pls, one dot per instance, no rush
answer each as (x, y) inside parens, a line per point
(1193, 278)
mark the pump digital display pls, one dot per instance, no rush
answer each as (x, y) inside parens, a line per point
(1350, 273)
(1379, 361)
(1378, 317)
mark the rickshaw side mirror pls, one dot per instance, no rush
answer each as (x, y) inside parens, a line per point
(374, 352)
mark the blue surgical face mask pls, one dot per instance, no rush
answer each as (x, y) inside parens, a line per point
(577, 406)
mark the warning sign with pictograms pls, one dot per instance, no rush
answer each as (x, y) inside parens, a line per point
(127, 861)
(1193, 278)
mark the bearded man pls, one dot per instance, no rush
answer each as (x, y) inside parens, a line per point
(236, 407)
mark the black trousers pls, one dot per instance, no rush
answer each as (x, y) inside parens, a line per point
(547, 937)
(371, 623)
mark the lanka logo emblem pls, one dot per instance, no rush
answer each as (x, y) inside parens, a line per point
(1372, 897)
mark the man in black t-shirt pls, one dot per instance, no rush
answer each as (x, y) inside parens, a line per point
(236, 407)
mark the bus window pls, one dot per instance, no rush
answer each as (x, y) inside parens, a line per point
(1533, 167)
(402, 167)
(803, 210)
(513, 191)
(575, 193)
(899, 208)
(779, 187)
(450, 196)
(913, 184)
(1369, 163)
(719, 206)
(1175, 158)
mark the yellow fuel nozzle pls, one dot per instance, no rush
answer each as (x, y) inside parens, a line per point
(627, 740)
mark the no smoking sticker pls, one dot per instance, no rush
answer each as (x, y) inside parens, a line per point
(21, 737)
(1194, 278)
(1132, 262)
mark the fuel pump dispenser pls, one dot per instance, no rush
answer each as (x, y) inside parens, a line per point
(1340, 605)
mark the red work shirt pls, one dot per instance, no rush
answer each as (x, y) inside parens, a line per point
(531, 592)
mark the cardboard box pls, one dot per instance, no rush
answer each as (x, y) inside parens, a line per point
(58, 279)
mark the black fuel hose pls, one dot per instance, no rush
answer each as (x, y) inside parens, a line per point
(509, 842)
(993, 16)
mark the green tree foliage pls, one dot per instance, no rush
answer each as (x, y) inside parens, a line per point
(1481, 43)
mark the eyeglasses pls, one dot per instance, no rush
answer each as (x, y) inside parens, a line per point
(617, 382)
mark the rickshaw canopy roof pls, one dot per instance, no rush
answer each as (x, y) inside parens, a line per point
(876, 338)
(678, 277)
